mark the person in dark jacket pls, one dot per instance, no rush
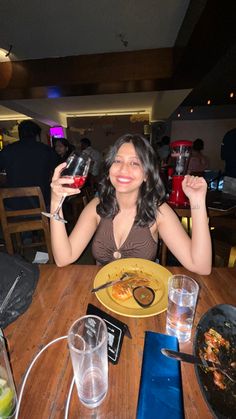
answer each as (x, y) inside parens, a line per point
(28, 162)
(228, 153)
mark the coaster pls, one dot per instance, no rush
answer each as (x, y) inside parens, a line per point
(116, 331)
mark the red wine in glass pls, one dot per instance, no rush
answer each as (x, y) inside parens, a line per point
(77, 169)
(79, 181)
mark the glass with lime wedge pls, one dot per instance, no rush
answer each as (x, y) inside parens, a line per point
(7, 401)
(7, 388)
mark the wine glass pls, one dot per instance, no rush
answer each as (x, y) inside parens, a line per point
(77, 167)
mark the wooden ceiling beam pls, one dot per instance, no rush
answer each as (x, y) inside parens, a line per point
(133, 71)
(207, 33)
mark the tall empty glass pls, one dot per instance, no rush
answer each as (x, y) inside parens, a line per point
(182, 298)
(7, 388)
(87, 340)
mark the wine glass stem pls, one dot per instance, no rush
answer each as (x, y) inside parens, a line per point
(60, 204)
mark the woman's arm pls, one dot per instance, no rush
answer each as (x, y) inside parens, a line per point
(193, 253)
(68, 249)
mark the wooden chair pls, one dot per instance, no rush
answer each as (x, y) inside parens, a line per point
(224, 245)
(162, 252)
(77, 204)
(74, 205)
(223, 234)
(18, 221)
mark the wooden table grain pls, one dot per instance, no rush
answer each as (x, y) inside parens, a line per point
(62, 296)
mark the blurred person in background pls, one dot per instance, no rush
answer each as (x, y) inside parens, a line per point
(228, 153)
(96, 157)
(163, 154)
(62, 148)
(164, 149)
(198, 161)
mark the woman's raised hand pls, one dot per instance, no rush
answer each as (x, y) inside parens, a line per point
(58, 190)
(194, 187)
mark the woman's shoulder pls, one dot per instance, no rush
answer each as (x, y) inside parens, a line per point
(90, 211)
(92, 206)
(163, 211)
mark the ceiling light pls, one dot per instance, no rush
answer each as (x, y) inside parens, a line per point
(9, 51)
(6, 54)
(231, 94)
(191, 110)
(16, 117)
(209, 101)
(108, 113)
(3, 55)
(178, 115)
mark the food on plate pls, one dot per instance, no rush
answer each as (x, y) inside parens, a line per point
(144, 295)
(124, 290)
(121, 291)
(214, 344)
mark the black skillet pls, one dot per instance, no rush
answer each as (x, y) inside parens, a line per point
(221, 318)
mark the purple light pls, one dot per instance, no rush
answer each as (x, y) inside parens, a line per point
(57, 132)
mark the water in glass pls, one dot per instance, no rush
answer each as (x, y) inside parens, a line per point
(182, 298)
(181, 304)
(92, 387)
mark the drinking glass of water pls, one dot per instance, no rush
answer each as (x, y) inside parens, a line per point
(182, 299)
(87, 340)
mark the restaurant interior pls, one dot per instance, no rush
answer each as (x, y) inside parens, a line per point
(100, 70)
(176, 80)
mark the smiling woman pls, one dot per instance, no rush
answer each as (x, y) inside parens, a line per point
(130, 211)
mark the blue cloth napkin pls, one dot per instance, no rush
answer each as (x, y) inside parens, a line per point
(160, 391)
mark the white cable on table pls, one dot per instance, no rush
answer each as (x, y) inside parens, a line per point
(28, 371)
(68, 398)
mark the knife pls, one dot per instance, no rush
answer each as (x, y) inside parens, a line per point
(181, 356)
(110, 283)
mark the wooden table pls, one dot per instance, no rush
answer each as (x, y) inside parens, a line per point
(61, 297)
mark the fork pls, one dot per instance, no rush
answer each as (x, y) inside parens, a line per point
(8, 296)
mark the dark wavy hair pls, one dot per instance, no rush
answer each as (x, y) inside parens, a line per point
(152, 191)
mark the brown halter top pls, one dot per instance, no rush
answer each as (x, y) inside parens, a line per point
(138, 244)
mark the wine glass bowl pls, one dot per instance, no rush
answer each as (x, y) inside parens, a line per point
(77, 167)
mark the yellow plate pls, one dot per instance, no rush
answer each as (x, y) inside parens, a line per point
(158, 282)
